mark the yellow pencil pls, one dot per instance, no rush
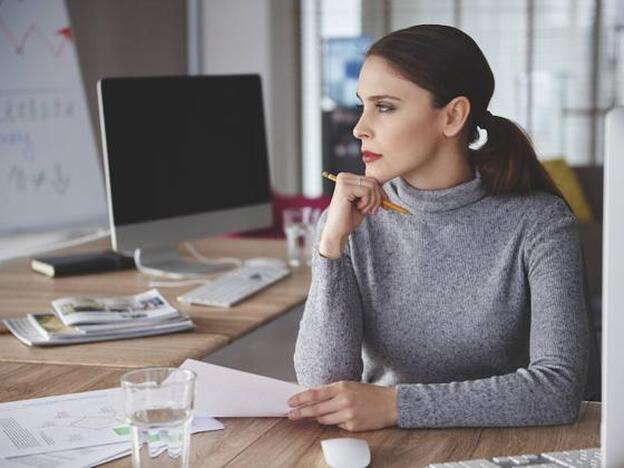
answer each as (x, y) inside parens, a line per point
(385, 203)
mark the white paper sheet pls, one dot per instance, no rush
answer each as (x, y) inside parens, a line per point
(67, 422)
(224, 392)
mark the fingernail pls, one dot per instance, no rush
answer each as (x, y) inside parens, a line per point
(292, 415)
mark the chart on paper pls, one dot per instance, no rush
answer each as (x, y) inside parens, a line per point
(57, 423)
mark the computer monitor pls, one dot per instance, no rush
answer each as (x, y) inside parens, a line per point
(613, 293)
(185, 157)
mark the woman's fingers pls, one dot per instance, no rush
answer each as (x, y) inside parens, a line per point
(353, 406)
(375, 194)
(313, 395)
(335, 418)
(365, 191)
(324, 408)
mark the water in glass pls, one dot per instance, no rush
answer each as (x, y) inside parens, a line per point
(161, 437)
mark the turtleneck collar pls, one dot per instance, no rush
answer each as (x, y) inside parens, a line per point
(439, 200)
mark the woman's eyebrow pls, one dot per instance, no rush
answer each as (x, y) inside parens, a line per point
(377, 97)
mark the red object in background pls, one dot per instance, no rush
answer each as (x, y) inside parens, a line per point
(66, 33)
(279, 204)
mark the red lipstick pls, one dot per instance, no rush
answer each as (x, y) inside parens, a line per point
(369, 156)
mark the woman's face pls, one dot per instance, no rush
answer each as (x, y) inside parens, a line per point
(398, 122)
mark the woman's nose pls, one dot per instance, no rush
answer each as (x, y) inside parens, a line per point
(361, 129)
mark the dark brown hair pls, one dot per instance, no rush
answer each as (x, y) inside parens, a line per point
(448, 63)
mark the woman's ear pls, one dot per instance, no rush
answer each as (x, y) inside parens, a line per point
(456, 113)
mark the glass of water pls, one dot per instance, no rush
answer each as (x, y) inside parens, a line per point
(158, 404)
(299, 227)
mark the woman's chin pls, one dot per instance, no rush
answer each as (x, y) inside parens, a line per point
(377, 173)
(369, 171)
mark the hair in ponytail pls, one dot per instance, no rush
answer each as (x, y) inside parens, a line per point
(448, 63)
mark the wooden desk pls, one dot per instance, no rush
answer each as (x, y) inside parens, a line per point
(246, 441)
(23, 291)
(279, 442)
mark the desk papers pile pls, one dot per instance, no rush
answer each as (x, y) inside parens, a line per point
(84, 319)
(80, 429)
(87, 429)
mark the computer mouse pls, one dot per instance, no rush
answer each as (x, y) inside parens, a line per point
(346, 452)
(265, 262)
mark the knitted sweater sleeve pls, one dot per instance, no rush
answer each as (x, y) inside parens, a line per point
(549, 390)
(329, 343)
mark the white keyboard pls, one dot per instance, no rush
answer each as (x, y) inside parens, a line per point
(576, 458)
(585, 458)
(234, 286)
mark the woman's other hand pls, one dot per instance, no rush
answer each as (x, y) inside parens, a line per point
(352, 406)
(355, 196)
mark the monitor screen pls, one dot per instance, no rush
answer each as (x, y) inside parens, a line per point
(179, 146)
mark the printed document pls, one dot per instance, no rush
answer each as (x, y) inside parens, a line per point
(64, 422)
(91, 456)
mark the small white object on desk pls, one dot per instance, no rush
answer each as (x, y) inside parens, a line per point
(346, 452)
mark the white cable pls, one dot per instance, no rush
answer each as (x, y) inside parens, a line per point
(211, 261)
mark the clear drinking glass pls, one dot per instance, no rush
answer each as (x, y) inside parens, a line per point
(299, 227)
(158, 404)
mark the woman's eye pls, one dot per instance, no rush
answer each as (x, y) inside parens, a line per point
(380, 107)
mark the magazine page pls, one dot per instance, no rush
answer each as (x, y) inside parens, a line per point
(146, 306)
(49, 324)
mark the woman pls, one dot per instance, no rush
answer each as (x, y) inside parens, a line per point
(470, 311)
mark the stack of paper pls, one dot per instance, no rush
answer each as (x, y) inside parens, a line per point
(81, 429)
(83, 319)
(86, 429)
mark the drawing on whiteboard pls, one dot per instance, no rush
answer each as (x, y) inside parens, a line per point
(49, 170)
(23, 180)
(18, 41)
(18, 140)
(20, 109)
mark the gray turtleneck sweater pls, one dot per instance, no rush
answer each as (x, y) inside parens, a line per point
(472, 307)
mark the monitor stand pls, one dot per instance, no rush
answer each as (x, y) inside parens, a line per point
(167, 261)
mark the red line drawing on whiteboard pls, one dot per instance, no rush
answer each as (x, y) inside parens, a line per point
(18, 41)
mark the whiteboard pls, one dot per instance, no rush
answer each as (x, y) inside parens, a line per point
(49, 171)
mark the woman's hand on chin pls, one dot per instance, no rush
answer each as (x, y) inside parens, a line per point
(352, 406)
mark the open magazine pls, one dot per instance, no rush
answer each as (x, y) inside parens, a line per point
(144, 307)
(80, 320)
